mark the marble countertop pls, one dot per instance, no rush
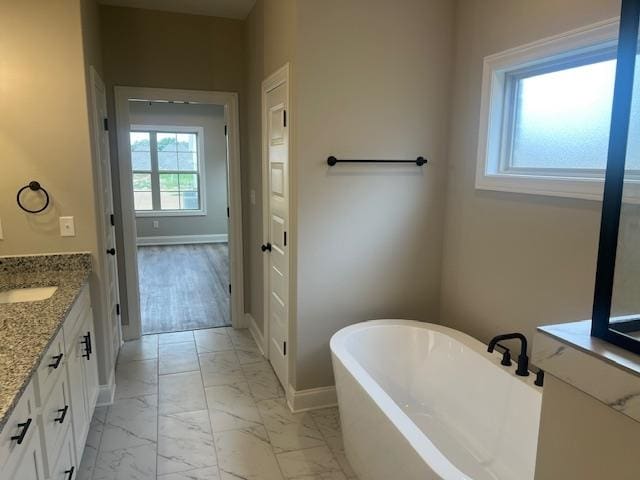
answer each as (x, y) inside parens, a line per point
(28, 328)
(598, 368)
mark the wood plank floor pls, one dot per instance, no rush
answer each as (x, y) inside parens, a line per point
(184, 287)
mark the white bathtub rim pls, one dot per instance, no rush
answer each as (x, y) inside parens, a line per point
(421, 443)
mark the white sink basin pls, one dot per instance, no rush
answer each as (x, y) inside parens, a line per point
(18, 295)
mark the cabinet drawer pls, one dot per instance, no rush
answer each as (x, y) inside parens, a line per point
(66, 467)
(76, 317)
(56, 417)
(26, 462)
(22, 422)
(50, 368)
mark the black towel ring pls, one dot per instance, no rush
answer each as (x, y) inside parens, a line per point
(34, 186)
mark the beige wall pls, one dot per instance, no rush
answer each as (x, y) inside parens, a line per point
(46, 50)
(44, 133)
(372, 81)
(511, 262)
(145, 48)
(583, 439)
(211, 119)
(269, 38)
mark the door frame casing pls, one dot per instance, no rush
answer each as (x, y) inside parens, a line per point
(277, 78)
(228, 100)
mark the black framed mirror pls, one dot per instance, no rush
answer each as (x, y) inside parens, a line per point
(616, 307)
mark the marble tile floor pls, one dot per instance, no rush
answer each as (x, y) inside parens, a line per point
(205, 405)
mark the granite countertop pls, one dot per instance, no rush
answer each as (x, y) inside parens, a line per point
(28, 328)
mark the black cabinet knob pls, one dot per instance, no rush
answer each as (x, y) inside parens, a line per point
(63, 414)
(266, 247)
(56, 361)
(23, 432)
(111, 251)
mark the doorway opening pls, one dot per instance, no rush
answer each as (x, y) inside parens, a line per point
(180, 189)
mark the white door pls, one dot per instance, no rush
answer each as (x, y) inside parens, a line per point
(109, 260)
(275, 91)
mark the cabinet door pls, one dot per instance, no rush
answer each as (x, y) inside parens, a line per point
(80, 416)
(66, 468)
(90, 361)
(30, 466)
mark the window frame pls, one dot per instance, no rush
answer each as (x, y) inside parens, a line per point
(199, 131)
(501, 72)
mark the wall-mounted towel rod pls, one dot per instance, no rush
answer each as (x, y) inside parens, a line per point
(331, 161)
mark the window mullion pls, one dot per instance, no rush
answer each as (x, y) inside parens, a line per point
(155, 178)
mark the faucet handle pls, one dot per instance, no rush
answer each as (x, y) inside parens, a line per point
(539, 378)
(506, 355)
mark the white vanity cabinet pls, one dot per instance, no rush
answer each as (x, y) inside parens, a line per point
(45, 435)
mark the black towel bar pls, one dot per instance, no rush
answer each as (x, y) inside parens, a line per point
(331, 161)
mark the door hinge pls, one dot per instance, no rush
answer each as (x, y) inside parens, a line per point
(112, 218)
(228, 214)
(284, 118)
(225, 130)
(117, 309)
(229, 289)
(285, 239)
(284, 348)
(106, 124)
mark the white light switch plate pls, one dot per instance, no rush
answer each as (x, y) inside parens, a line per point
(156, 224)
(67, 227)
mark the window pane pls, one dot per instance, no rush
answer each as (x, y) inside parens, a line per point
(186, 142)
(142, 201)
(142, 182)
(187, 161)
(169, 181)
(169, 200)
(188, 181)
(167, 161)
(189, 200)
(141, 160)
(166, 142)
(139, 141)
(562, 118)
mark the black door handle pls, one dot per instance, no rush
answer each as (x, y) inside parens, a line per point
(57, 359)
(63, 412)
(20, 437)
(111, 251)
(266, 247)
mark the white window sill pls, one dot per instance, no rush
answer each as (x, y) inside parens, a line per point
(172, 213)
(568, 187)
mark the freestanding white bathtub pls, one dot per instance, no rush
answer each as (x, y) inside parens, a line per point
(421, 401)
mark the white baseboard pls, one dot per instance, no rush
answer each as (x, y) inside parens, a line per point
(183, 239)
(255, 332)
(311, 399)
(106, 393)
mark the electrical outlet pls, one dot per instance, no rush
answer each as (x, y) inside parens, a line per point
(156, 224)
(67, 227)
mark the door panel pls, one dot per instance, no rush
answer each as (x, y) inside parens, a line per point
(278, 214)
(107, 218)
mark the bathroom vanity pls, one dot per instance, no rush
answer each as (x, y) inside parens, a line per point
(48, 366)
(590, 420)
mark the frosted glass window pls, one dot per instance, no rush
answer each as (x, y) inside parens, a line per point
(561, 118)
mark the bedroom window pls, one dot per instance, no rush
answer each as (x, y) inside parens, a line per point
(167, 170)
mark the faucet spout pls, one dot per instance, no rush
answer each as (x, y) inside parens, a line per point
(523, 359)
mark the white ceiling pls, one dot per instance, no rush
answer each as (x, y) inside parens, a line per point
(217, 8)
